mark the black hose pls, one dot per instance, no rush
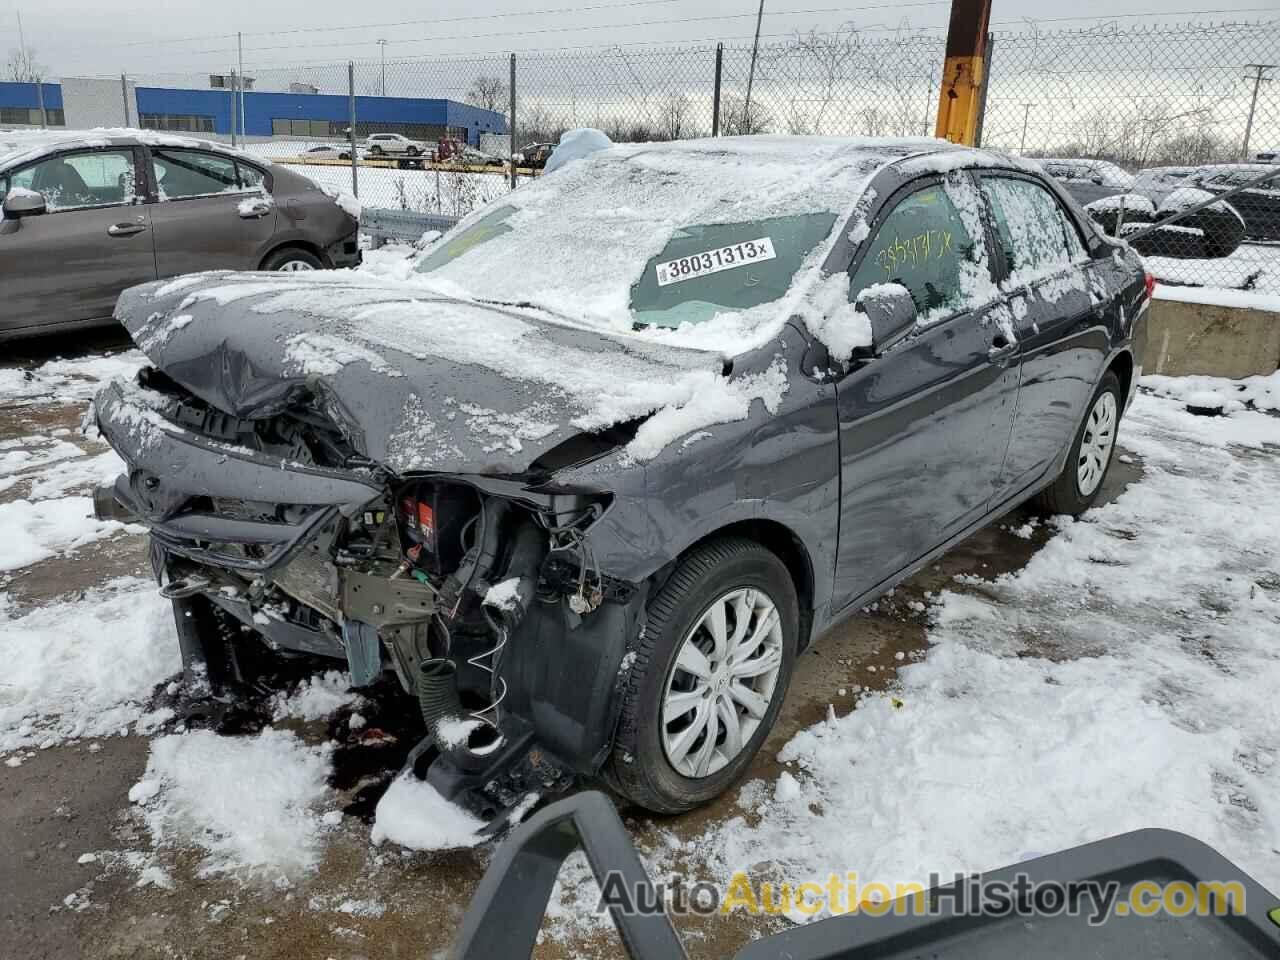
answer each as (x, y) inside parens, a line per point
(438, 692)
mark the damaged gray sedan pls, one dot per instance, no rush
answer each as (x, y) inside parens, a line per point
(589, 473)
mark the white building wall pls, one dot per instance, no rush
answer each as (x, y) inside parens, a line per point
(96, 102)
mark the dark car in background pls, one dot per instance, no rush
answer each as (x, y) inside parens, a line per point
(631, 439)
(88, 215)
(1088, 180)
(1258, 206)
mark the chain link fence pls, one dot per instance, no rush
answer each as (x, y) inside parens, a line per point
(1139, 123)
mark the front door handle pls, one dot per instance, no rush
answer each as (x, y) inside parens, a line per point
(125, 229)
(1002, 348)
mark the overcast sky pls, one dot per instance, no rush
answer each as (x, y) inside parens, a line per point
(89, 37)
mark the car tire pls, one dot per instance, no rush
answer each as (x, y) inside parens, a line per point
(1081, 479)
(375, 151)
(292, 259)
(646, 765)
(412, 151)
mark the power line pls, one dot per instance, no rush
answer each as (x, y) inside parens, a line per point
(665, 21)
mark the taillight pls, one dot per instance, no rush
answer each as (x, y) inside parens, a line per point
(1151, 285)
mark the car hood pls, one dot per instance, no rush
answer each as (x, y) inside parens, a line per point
(418, 381)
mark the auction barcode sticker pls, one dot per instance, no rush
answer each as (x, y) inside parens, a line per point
(713, 261)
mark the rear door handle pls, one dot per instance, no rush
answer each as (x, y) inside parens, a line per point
(125, 229)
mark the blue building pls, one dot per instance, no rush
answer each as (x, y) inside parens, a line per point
(316, 116)
(20, 105)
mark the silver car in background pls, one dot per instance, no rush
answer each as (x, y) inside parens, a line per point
(85, 216)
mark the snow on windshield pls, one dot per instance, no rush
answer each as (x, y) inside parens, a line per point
(575, 243)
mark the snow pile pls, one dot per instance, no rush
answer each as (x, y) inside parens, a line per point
(1186, 197)
(504, 595)
(1125, 678)
(254, 205)
(248, 802)
(27, 453)
(67, 475)
(349, 204)
(412, 814)
(83, 668)
(574, 145)
(68, 381)
(708, 399)
(34, 531)
(1261, 393)
(832, 318)
(316, 697)
(1216, 296)
(1130, 203)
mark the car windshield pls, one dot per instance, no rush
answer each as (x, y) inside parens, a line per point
(661, 237)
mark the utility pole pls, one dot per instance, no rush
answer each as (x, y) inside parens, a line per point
(1258, 77)
(963, 72)
(511, 124)
(745, 126)
(235, 108)
(240, 95)
(383, 45)
(1026, 115)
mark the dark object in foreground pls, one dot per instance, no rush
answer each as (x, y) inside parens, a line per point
(508, 908)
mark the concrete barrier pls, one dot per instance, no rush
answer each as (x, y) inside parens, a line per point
(1187, 334)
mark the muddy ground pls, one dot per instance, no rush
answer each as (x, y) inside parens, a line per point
(70, 800)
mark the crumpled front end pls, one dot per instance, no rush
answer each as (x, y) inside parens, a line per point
(476, 592)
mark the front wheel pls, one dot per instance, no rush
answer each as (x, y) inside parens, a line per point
(1078, 485)
(708, 678)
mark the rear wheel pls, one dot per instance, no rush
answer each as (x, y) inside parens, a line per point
(375, 151)
(292, 259)
(709, 676)
(1078, 485)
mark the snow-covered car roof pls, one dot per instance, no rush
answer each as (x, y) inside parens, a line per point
(23, 146)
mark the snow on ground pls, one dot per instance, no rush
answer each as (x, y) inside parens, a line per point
(67, 381)
(69, 475)
(316, 697)
(1124, 678)
(253, 805)
(83, 667)
(26, 453)
(1261, 393)
(34, 531)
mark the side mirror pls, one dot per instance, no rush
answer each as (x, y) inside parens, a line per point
(23, 203)
(890, 311)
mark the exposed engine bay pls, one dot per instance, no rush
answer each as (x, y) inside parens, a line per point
(479, 594)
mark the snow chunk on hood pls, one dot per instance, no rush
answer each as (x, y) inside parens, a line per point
(575, 144)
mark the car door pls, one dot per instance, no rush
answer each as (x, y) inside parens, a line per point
(1058, 298)
(924, 428)
(70, 263)
(208, 211)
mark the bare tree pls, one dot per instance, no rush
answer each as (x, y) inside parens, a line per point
(736, 119)
(22, 66)
(676, 116)
(489, 93)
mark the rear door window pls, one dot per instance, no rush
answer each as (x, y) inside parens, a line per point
(1035, 233)
(181, 174)
(926, 245)
(71, 181)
